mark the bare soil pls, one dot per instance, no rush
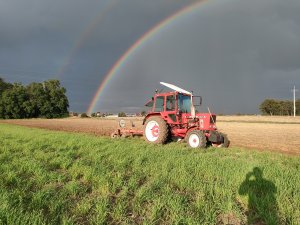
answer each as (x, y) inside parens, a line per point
(265, 133)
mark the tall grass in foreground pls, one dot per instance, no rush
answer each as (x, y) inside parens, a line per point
(49, 177)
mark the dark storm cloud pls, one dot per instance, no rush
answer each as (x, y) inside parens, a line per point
(234, 53)
(37, 38)
(38, 34)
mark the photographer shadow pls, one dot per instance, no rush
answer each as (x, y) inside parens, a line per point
(262, 205)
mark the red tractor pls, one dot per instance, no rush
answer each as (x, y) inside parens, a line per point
(173, 115)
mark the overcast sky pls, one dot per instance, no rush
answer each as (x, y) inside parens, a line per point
(235, 53)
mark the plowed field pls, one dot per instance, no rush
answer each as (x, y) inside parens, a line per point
(264, 133)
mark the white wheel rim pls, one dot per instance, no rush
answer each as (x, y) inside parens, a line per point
(152, 131)
(194, 140)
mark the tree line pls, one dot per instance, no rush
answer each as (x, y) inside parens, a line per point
(45, 100)
(276, 107)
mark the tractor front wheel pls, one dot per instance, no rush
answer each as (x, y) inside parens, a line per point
(156, 130)
(196, 139)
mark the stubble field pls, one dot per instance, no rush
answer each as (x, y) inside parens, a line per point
(253, 132)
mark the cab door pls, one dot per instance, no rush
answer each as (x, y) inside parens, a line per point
(159, 103)
(170, 108)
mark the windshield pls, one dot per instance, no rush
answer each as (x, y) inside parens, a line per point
(184, 103)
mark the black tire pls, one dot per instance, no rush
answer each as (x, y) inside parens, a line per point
(226, 141)
(114, 135)
(161, 132)
(124, 135)
(196, 139)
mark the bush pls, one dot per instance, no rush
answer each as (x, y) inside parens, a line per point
(83, 115)
(121, 114)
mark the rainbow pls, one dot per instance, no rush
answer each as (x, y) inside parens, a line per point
(137, 45)
(84, 36)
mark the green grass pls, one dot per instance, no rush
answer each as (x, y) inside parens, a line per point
(49, 177)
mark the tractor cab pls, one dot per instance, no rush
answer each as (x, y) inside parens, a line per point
(171, 101)
(179, 109)
(170, 106)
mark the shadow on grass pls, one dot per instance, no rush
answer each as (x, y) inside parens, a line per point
(262, 205)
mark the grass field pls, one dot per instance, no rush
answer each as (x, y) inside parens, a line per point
(50, 177)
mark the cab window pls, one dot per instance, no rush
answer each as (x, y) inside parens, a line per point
(159, 104)
(184, 103)
(170, 104)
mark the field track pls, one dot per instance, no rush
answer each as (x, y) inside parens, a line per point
(265, 133)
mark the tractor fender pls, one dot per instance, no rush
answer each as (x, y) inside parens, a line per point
(191, 129)
(149, 115)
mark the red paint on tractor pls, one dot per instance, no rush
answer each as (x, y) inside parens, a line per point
(177, 109)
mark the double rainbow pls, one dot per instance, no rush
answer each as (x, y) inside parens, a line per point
(137, 45)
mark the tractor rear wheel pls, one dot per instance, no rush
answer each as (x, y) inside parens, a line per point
(114, 135)
(196, 139)
(225, 143)
(156, 130)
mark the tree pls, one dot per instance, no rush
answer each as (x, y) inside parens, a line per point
(286, 108)
(37, 98)
(56, 102)
(297, 107)
(143, 113)
(47, 99)
(270, 107)
(279, 107)
(4, 86)
(15, 103)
